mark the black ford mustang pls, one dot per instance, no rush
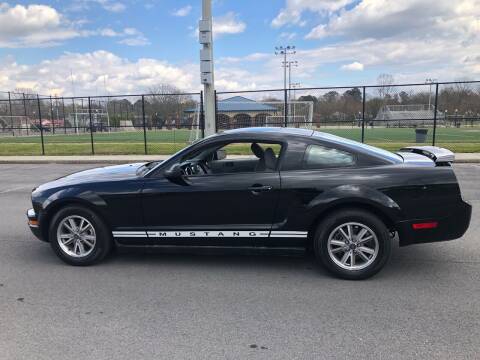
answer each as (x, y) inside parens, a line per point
(295, 190)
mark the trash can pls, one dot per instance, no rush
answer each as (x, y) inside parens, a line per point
(421, 135)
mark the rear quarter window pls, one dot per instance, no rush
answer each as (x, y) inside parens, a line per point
(320, 157)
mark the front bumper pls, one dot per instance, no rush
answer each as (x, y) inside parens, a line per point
(451, 227)
(34, 223)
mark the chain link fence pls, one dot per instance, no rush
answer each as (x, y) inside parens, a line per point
(130, 124)
(388, 116)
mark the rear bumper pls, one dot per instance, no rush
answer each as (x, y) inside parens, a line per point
(451, 227)
(34, 223)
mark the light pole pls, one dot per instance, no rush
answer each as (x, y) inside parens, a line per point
(284, 51)
(294, 86)
(289, 64)
(430, 82)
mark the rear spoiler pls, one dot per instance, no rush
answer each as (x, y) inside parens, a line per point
(439, 155)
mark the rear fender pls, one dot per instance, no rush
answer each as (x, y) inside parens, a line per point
(356, 194)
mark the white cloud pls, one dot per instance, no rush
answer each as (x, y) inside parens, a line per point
(43, 26)
(184, 11)
(33, 25)
(293, 10)
(355, 66)
(249, 58)
(108, 5)
(384, 18)
(90, 70)
(228, 24)
(288, 35)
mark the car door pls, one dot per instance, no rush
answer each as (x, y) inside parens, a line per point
(231, 208)
(308, 172)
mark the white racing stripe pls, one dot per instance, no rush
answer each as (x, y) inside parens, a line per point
(210, 234)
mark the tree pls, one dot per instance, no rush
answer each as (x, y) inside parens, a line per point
(331, 96)
(354, 94)
(166, 106)
(385, 81)
(308, 98)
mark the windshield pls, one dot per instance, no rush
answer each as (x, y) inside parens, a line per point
(360, 146)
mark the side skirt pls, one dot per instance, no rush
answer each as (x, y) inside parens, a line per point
(218, 250)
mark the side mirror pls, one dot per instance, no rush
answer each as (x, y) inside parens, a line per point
(175, 175)
(221, 154)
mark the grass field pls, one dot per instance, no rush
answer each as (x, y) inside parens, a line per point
(169, 141)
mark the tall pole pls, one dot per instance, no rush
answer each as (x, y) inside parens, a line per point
(284, 51)
(206, 66)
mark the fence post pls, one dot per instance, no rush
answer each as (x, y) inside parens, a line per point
(216, 111)
(64, 119)
(51, 115)
(25, 112)
(202, 115)
(11, 114)
(41, 125)
(435, 115)
(363, 115)
(144, 125)
(91, 125)
(285, 112)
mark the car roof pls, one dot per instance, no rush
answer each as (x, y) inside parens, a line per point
(354, 146)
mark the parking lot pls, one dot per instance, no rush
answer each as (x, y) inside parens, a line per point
(424, 304)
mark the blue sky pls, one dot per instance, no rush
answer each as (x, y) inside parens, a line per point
(124, 46)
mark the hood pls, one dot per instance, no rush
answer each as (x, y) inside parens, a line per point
(107, 173)
(410, 158)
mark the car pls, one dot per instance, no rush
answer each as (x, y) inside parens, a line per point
(253, 190)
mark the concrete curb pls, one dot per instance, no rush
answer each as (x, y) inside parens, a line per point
(461, 158)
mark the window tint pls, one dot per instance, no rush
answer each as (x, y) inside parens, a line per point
(319, 157)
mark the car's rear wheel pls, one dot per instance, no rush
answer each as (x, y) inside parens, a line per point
(79, 236)
(352, 244)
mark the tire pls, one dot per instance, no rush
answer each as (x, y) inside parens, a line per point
(95, 240)
(370, 245)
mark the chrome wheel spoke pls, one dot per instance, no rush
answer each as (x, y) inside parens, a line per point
(338, 242)
(352, 258)
(344, 234)
(367, 250)
(66, 239)
(342, 248)
(363, 256)
(345, 257)
(364, 240)
(81, 248)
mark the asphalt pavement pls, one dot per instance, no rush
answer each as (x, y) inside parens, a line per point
(424, 305)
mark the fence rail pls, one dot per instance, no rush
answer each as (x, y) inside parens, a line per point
(383, 115)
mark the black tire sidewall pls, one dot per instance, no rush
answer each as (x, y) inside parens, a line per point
(373, 222)
(103, 236)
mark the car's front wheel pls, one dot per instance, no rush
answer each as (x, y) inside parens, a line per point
(79, 236)
(352, 244)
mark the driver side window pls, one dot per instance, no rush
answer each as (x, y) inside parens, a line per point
(236, 157)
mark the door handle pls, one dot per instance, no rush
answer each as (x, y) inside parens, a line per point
(260, 188)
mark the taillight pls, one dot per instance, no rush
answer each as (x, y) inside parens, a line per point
(425, 225)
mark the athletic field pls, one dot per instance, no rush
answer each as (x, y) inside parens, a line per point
(465, 139)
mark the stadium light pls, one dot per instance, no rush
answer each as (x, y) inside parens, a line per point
(285, 51)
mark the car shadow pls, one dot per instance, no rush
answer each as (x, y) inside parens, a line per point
(413, 259)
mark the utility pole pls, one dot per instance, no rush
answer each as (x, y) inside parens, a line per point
(284, 51)
(206, 66)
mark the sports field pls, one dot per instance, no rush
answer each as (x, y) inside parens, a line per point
(465, 139)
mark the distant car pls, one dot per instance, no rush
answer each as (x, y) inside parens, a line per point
(293, 190)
